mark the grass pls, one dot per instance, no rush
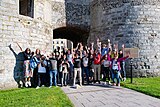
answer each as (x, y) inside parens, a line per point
(30, 97)
(149, 86)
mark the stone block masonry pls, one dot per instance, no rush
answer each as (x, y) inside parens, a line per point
(28, 32)
(134, 23)
(78, 13)
(34, 32)
(71, 13)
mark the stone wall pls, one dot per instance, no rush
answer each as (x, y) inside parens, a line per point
(71, 13)
(78, 13)
(34, 32)
(58, 13)
(28, 32)
(135, 23)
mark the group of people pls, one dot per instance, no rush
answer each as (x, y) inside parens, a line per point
(83, 65)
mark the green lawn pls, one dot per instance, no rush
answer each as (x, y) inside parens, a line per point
(30, 97)
(149, 86)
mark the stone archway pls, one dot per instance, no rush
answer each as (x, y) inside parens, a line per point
(74, 34)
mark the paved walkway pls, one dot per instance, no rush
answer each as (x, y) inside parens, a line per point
(109, 96)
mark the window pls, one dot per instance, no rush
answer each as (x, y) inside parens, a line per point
(57, 42)
(61, 42)
(26, 7)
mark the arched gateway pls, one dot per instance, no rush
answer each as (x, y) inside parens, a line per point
(71, 33)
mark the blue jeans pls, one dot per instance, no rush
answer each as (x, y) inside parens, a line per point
(53, 75)
(86, 71)
(116, 75)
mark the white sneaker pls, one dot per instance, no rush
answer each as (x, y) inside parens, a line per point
(77, 87)
(114, 84)
(109, 82)
(37, 87)
(104, 83)
(42, 85)
(80, 86)
(26, 84)
(118, 85)
(50, 87)
(21, 83)
(29, 83)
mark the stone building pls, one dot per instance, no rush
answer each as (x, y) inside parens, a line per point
(35, 23)
(136, 23)
(62, 43)
(31, 23)
(27, 23)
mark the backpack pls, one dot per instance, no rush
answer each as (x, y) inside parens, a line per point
(33, 62)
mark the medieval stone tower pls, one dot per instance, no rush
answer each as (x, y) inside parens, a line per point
(34, 24)
(135, 23)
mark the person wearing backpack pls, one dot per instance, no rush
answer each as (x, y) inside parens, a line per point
(37, 57)
(53, 70)
(115, 67)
